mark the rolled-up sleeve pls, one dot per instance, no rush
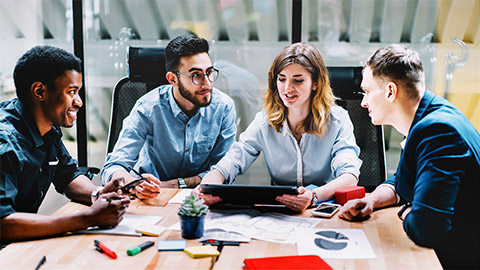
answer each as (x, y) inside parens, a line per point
(345, 151)
(242, 153)
(130, 141)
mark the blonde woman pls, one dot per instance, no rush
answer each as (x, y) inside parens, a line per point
(305, 138)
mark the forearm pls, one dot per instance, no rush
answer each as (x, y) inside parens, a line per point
(327, 191)
(191, 182)
(22, 226)
(383, 196)
(80, 189)
(213, 177)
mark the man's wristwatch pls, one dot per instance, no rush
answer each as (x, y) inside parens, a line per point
(402, 210)
(181, 183)
(95, 194)
(314, 199)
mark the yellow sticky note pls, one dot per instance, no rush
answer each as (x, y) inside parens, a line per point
(201, 251)
(150, 229)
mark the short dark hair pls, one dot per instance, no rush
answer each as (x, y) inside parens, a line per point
(184, 45)
(400, 64)
(42, 64)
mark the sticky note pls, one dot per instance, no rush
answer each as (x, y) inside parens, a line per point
(172, 245)
(201, 251)
(150, 229)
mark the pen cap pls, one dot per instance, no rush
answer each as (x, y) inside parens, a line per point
(133, 251)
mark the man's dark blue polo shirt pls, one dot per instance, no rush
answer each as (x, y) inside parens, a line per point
(29, 162)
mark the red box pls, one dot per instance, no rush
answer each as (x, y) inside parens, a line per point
(344, 195)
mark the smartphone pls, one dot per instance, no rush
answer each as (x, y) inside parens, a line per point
(126, 189)
(326, 210)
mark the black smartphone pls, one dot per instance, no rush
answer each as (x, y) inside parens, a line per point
(126, 189)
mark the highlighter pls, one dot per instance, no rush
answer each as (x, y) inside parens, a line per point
(137, 249)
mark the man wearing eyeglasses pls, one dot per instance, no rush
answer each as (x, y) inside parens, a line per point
(175, 132)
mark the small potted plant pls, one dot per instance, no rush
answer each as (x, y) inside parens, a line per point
(192, 216)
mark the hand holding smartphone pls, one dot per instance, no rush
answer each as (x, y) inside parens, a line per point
(326, 210)
(127, 188)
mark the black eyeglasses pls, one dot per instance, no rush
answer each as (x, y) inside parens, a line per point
(198, 77)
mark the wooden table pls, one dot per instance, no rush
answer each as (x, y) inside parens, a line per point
(384, 231)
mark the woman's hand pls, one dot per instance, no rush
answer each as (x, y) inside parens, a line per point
(298, 203)
(208, 198)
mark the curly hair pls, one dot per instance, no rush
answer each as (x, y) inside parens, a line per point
(321, 100)
(42, 64)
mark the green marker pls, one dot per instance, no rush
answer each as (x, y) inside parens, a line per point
(137, 249)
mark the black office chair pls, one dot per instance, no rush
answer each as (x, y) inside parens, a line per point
(345, 82)
(146, 68)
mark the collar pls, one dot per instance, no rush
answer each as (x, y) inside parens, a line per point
(286, 129)
(26, 115)
(423, 106)
(176, 110)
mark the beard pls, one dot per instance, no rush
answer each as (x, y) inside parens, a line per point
(197, 101)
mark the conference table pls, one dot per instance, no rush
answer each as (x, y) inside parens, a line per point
(392, 247)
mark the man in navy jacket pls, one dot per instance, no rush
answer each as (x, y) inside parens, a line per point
(438, 174)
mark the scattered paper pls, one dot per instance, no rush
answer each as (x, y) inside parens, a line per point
(222, 235)
(271, 226)
(150, 229)
(126, 226)
(181, 195)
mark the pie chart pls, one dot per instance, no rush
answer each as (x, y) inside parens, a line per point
(331, 240)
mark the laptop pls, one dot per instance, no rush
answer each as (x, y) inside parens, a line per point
(248, 195)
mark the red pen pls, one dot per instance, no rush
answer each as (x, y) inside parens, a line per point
(104, 249)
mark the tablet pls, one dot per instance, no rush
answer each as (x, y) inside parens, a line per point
(248, 195)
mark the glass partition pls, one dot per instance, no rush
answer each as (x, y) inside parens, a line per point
(245, 36)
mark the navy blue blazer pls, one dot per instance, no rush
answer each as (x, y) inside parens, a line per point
(439, 173)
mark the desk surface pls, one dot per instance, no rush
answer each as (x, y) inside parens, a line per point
(383, 229)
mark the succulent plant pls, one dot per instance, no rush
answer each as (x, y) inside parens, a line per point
(193, 206)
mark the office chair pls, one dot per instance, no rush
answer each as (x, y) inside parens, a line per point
(146, 70)
(345, 82)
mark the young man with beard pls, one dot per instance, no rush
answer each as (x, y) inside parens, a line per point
(438, 176)
(47, 81)
(175, 132)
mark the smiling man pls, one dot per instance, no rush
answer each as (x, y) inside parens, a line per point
(438, 176)
(175, 132)
(47, 81)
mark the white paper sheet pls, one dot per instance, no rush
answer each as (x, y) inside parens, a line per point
(126, 227)
(180, 196)
(334, 243)
(271, 226)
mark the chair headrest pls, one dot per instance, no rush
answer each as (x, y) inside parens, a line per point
(147, 64)
(345, 82)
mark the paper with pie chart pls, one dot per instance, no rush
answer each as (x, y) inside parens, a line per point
(334, 243)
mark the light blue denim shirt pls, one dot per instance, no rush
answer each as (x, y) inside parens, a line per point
(158, 138)
(312, 161)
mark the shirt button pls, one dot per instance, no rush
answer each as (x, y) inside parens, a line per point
(209, 148)
(188, 125)
(186, 150)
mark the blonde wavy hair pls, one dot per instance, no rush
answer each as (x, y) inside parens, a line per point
(322, 99)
